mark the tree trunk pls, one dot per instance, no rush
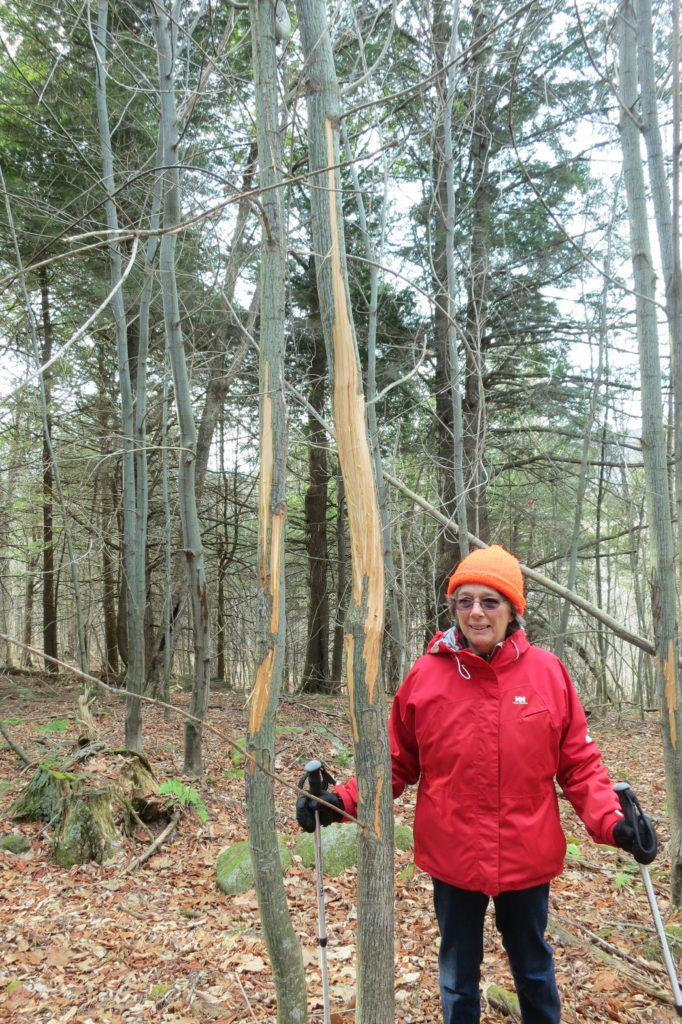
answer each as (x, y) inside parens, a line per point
(341, 584)
(220, 378)
(283, 945)
(165, 20)
(394, 639)
(50, 644)
(316, 670)
(110, 584)
(134, 586)
(664, 595)
(664, 216)
(365, 619)
(481, 102)
(451, 546)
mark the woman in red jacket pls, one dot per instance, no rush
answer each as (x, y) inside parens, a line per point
(484, 723)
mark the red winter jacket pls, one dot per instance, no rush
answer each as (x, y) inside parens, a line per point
(485, 741)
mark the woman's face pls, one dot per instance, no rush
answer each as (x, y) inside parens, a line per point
(483, 627)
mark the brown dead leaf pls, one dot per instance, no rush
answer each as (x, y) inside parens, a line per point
(19, 996)
(57, 956)
(253, 965)
(606, 981)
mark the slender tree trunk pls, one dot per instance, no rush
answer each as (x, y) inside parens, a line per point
(365, 619)
(674, 289)
(664, 596)
(134, 586)
(50, 465)
(165, 21)
(8, 481)
(166, 658)
(110, 585)
(447, 379)
(482, 101)
(29, 596)
(602, 643)
(50, 644)
(220, 378)
(283, 945)
(316, 669)
(341, 584)
(395, 643)
(595, 395)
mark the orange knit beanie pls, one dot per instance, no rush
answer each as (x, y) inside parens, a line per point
(493, 567)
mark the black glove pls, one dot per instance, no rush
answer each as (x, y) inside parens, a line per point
(306, 807)
(641, 843)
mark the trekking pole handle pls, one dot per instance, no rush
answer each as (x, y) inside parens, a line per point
(645, 834)
(313, 770)
(626, 797)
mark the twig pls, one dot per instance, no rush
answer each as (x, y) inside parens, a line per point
(160, 839)
(246, 998)
(192, 987)
(136, 817)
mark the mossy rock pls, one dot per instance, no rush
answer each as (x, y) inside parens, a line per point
(340, 847)
(234, 869)
(503, 1000)
(15, 844)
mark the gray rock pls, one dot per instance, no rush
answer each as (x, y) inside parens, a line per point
(340, 847)
(234, 869)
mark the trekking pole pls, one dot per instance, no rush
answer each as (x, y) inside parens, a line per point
(316, 773)
(646, 840)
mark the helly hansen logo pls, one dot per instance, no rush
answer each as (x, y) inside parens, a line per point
(520, 700)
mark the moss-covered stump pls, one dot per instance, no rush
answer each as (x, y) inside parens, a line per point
(91, 805)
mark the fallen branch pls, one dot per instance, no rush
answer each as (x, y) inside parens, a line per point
(634, 979)
(158, 842)
(21, 754)
(597, 940)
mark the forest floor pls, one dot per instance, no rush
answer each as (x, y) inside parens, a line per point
(96, 944)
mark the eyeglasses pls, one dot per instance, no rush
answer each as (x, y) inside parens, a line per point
(488, 604)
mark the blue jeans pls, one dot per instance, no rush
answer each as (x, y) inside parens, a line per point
(521, 919)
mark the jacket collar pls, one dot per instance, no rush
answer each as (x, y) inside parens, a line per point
(452, 641)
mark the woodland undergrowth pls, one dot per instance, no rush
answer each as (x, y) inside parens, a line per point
(104, 944)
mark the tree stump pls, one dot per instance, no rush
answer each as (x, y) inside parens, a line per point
(91, 802)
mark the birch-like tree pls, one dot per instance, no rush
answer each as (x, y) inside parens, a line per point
(134, 518)
(165, 20)
(654, 447)
(365, 616)
(283, 945)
